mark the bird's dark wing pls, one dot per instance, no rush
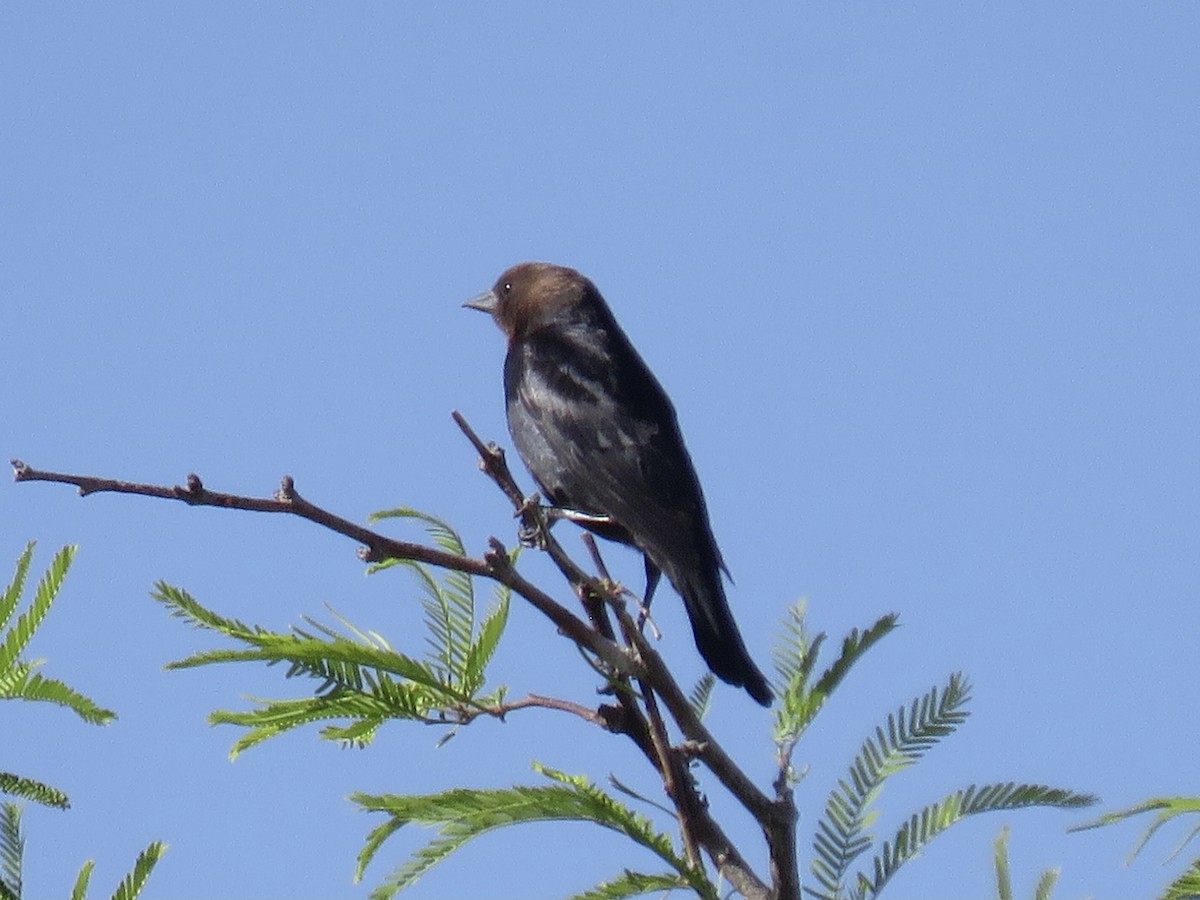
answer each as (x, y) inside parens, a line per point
(600, 436)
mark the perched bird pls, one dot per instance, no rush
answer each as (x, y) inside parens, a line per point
(600, 437)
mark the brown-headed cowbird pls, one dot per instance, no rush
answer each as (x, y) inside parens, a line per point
(600, 437)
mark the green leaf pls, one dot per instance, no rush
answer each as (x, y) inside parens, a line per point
(132, 884)
(363, 680)
(12, 851)
(463, 814)
(184, 606)
(633, 884)
(701, 697)
(842, 831)
(1045, 885)
(450, 609)
(12, 593)
(23, 684)
(796, 657)
(488, 638)
(28, 789)
(927, 824)
(441, 531)
(367, 711)
(1187, 885)
(79, 889)
(1168, 809)
(17, 638)
(1000, 860)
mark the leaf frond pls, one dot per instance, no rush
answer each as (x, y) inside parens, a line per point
(1187, 886)
(363, 681)
(796, 658)
(16, 587)
(365, 710)
(463, 814)
(24, 684)
(458, 647)
(18, 636)
(841, 835)
(131, 885)
(12, 851)
(633, 884)
(80, 888)
(1000, 863)
(1045, 885)
(927, 824)
(700, 698)
(28, 789)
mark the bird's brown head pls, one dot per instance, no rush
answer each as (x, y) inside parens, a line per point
(533, 294)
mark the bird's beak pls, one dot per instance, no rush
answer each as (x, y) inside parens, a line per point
(485, 302)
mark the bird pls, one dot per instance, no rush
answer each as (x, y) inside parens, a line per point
(601, 438)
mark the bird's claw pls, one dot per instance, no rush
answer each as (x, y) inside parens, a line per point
(644, 618)
(532, 527)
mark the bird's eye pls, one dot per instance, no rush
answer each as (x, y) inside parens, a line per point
(507, 287)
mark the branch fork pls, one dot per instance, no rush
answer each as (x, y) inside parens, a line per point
(631, 661)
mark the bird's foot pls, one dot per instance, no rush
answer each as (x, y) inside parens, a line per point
(644, 618)
(532, 528)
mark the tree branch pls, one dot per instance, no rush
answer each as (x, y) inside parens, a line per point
(699, 829)
(377, 547)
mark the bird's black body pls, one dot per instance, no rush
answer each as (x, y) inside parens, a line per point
(600, 437)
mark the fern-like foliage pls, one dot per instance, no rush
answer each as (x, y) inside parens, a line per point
(19, 679)
(1187, 885)
(633, 884)
(82, 880)
(908, 733)
(700, 699)
(795, 659)
(12, 851)
(463, 814)
(842, 833)
(131, 885)
(1045, 883)
(927, 824)
(28, 789)
(17, 636)
(460, 647)
(363, 680)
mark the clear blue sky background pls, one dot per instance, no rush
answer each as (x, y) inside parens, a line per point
(922, 282)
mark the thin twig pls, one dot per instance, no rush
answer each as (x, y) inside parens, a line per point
(534, 701)
(377, 547)
(699, 828)
(628, 718)
(495, 466)
(706, 747)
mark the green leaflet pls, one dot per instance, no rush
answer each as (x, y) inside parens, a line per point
(795, 659)
(463, 814)
(1187, 885)
(19, 679)
(363, 681)
(1045, 883)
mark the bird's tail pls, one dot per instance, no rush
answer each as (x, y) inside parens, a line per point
(717, 635)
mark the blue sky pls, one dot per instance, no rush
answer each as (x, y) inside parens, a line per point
(920, 279)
